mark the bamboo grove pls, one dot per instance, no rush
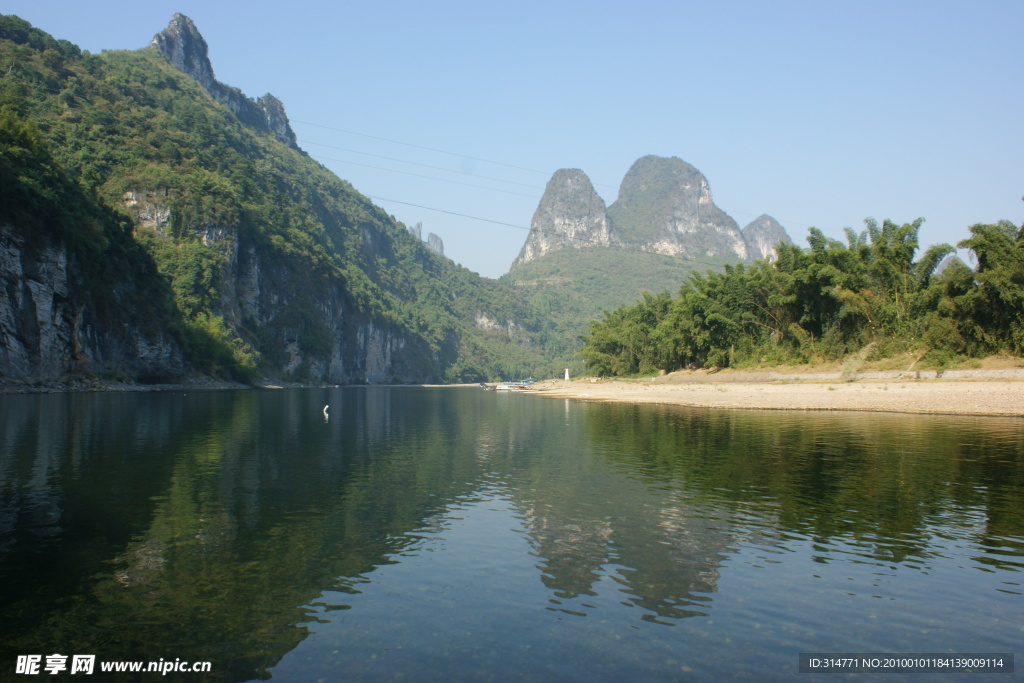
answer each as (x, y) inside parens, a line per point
(868, 296)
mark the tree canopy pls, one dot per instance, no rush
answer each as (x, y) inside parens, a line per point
(827, 301)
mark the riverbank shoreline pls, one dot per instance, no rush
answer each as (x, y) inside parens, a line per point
(998, 393)
(978, 395)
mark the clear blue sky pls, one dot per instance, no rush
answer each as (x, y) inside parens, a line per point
(817, 113)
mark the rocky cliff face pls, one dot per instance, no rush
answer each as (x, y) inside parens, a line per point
(49, 327)
(570, 214)
(664, 206)
(435, 244)
(261, 293)
(183, 46)
(762, 234)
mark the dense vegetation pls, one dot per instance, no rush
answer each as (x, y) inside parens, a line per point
(869, 296)
(569, 288)
(110, 274)
(127, 122)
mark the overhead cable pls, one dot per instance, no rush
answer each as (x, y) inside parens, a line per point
(541, 232)
(416, 163)
(429, 149)
(418, 175)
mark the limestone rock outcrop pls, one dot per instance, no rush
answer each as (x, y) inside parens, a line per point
(570, 214)
(50, 328)
(184, 47)
(763, 234)
(664, 206)
(435, 244)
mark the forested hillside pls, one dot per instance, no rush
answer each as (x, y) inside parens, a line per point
(75, 289)
(571, 287)
(270, 266)
(872, 296)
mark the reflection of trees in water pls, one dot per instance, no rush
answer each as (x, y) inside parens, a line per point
(879, 482)
(125, 517)
(245, 508)
(63, 460)
(692, 484)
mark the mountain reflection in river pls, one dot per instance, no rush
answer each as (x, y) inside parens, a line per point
(425, 533)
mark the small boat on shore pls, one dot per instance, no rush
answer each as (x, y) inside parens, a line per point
(511, 386)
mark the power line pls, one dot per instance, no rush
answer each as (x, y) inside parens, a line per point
(416, 163)
(429, 149)
(432, 149)
(464, 156)
(13, 77)
(418, 175)
(541, 232)
(487, 161)
(451, 213)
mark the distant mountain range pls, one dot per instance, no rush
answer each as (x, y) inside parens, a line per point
(664, 207)
(582, 259)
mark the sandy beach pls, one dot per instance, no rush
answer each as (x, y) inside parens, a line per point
(931, 396)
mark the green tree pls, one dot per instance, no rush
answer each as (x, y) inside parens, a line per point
(992, 312)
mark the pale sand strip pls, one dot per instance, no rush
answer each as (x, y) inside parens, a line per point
(950, 397)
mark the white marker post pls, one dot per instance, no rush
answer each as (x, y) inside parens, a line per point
(567, 374)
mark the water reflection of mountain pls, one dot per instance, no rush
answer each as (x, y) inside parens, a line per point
(686, 487)
(206, 525)
(663, 553)
(587, 521)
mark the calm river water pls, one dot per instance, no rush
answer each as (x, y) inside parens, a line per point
(457, 534)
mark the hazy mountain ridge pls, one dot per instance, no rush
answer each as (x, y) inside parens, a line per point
(763, 234)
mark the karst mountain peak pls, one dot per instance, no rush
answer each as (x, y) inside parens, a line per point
(664, 206)
(184, 47)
